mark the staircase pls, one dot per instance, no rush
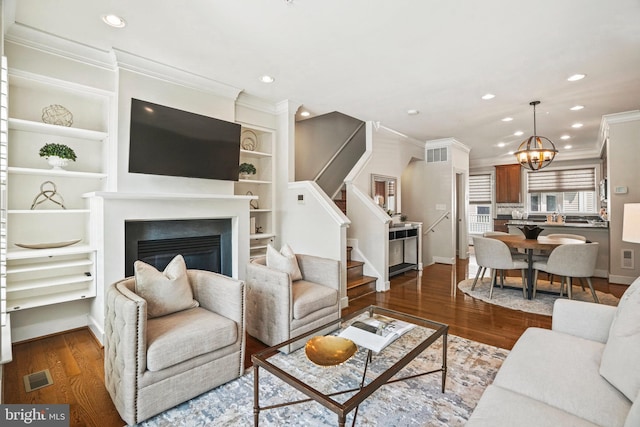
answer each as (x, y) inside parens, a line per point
(358, 284)
(341, 203)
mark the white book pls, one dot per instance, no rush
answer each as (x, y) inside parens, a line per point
(377, 332)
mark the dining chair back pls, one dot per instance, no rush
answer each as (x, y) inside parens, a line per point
(571, 261)
(495, 254)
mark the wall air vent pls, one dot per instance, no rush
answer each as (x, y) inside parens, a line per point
(627, 259)
(436, 155)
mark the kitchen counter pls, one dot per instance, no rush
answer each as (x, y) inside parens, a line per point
(544, 224)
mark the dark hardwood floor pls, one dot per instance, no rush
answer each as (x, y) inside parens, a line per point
(76, 360)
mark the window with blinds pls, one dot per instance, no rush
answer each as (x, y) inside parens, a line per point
(562, 180)
(564, 191)
(480, 188)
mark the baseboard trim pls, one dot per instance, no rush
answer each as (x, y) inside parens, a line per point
(621, 280)
(444, 260)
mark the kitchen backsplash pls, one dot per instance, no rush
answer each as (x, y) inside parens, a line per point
(507, 208)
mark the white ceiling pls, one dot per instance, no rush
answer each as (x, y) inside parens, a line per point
(376, 59)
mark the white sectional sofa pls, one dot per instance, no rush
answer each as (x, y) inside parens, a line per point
(585, 371)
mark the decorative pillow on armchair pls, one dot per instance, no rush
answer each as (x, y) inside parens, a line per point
(165, 292)
(284, 261)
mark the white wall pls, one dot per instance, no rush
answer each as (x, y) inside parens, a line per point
(623, 170)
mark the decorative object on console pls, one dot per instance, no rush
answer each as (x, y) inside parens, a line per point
(249, 140)
(48, 195)
(57, 115)
(246, 169)
(631, 223)
(536, 152)
(58, 155)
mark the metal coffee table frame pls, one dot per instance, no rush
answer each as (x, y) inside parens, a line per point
(261, 360)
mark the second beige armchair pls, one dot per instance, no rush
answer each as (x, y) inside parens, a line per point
(279, 308)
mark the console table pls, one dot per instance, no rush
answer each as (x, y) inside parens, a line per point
(405, 241)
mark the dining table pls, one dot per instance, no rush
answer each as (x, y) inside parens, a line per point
(542, 243)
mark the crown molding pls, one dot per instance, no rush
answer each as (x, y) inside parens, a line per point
(254, 103)
(287, 106)
(138, 64)
(29, 37)
(447, 142)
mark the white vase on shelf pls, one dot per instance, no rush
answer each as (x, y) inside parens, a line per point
(57, 163)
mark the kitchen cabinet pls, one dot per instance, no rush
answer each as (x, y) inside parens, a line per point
(508, 184)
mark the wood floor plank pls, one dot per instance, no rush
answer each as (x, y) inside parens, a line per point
(76, 360)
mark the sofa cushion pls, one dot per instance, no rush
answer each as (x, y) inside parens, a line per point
(561, 370)
(166, 292)
(309, 297)
(499, 407)
(284, 261)
(622, 352)
(186, 334)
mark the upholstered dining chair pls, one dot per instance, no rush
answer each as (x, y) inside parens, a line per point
(495, 254)
(570, 261)
(544, 255)
(282, 305)
(155, 359)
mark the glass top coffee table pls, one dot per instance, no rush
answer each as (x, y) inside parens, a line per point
(343, 387)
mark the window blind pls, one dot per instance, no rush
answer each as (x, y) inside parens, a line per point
(480, 188)
(557, 181)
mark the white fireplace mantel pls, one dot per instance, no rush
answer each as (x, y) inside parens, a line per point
(163, 196)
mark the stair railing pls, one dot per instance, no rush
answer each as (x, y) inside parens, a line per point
(337, 153)
(438, 221)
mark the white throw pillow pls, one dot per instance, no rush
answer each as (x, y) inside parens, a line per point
(284, 261)
(621, 354)
(166, 292)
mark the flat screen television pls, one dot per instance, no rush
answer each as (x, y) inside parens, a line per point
(167, 141)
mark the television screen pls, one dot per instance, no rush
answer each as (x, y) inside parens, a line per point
(167, 141)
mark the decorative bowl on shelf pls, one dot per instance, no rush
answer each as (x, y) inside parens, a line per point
(49, 245)
(57, 115)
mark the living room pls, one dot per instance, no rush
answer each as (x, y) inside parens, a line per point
(96, 80)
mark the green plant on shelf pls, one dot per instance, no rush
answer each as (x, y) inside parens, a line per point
(247, 168)
(58, 150)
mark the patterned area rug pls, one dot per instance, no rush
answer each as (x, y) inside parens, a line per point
(542, 304)
(416, 402)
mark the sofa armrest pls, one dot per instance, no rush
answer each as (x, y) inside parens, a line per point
(583, 319)
(269, 303)
(219, 294)
(324, 271)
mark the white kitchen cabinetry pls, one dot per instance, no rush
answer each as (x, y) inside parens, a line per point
(51, 275)
(257, 147)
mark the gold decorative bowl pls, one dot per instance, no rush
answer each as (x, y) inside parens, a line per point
(329, 350)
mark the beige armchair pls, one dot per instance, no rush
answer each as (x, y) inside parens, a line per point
(154, 364)
(279, 309)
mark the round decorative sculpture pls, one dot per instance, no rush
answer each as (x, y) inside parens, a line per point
(57, 115)
(329, 350)
(249, 140)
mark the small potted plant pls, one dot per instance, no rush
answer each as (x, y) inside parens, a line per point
(58, 155)
(246, 169)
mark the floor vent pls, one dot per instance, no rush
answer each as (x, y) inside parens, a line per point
(37, 380)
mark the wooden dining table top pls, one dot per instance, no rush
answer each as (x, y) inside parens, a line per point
(542, 242)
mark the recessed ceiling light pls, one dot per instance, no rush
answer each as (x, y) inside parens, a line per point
(501, 144)
(567, 147)
(305, 114)
(576, 77)
(267, 79)
(576, 125)
(488, 96)
(518, 133)
(114, 21)
(577, 107)
(565, 137)
(413, 112)
(507, 119)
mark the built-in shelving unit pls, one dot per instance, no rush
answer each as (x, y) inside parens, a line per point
(260, 185)
(40, 277)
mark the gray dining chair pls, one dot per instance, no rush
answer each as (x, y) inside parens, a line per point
(570, 261)
(495, 254)
(544, 255)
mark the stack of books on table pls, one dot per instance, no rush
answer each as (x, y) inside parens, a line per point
(377, 332)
